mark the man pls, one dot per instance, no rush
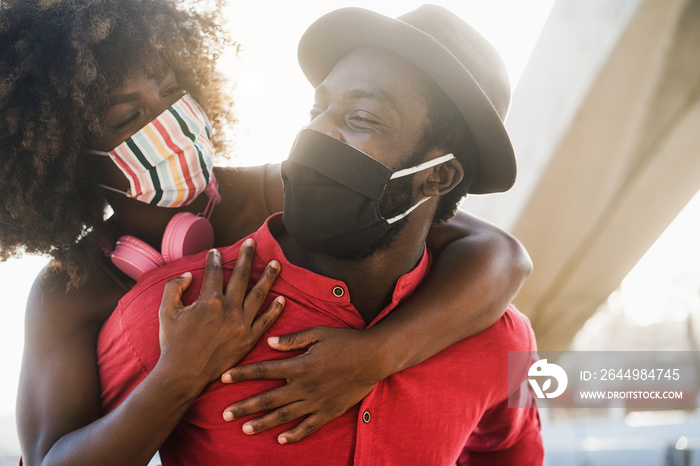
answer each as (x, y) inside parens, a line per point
(407, 119)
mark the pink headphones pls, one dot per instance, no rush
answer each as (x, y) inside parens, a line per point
(186, 234)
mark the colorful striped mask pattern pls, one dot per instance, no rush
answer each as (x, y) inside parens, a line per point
(169, 161)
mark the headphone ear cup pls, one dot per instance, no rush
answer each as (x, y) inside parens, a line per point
(135, 257)
(186, 234)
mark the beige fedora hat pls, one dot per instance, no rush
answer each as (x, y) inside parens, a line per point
(460, 61)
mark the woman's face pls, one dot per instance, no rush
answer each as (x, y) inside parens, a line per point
(130, 108)
(134, 105)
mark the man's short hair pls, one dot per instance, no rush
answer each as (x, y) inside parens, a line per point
(447, 130)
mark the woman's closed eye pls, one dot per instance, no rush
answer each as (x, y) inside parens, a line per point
(127, 120)
(174, 90)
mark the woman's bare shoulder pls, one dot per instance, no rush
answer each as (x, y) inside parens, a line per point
(52, 299)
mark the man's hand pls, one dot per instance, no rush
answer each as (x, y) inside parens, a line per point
(339, 368)
(202, 340)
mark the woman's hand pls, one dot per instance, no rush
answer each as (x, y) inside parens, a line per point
(339, 368)
(215, 332)
(198, 342)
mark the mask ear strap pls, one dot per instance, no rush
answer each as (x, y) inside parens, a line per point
(400, 216)
(109, 188)
(98, 152)
(104, 186)
(422, 166)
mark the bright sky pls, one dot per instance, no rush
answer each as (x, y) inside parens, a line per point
(273, 96)
(273, 100)
(665, 283)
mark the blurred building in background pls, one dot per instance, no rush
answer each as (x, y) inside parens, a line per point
(606, 125)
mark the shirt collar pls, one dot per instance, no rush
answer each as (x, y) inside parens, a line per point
(318, 286)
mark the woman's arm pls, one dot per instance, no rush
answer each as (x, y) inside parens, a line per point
(477, 272)
(59, 395)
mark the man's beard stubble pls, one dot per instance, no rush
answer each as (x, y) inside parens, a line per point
(395, 201)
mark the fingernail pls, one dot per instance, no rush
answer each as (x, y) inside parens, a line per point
(185, 275)
(228, 416)
(274, 265)
(282, 440)
(273, 341)
(215, 256)
(247, 429)
(226, 378)
(280, 299)
(248, 243)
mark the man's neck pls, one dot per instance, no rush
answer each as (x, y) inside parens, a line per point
(370, 281)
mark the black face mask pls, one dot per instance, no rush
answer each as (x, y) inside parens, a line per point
(332, 193)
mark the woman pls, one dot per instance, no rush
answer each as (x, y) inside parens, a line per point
(81, 76)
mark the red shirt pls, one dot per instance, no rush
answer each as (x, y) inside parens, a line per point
(452, 407)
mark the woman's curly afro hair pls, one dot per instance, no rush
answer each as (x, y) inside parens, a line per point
(58, 61)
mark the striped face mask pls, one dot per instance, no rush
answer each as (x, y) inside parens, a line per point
(169, 161)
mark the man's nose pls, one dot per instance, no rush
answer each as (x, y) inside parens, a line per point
(326, 123)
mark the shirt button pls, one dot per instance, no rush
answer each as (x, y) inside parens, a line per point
(366, 417)
(338, 292)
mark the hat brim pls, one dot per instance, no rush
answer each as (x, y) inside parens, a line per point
(336, 34)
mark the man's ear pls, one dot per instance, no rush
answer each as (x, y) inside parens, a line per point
(442, 179)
